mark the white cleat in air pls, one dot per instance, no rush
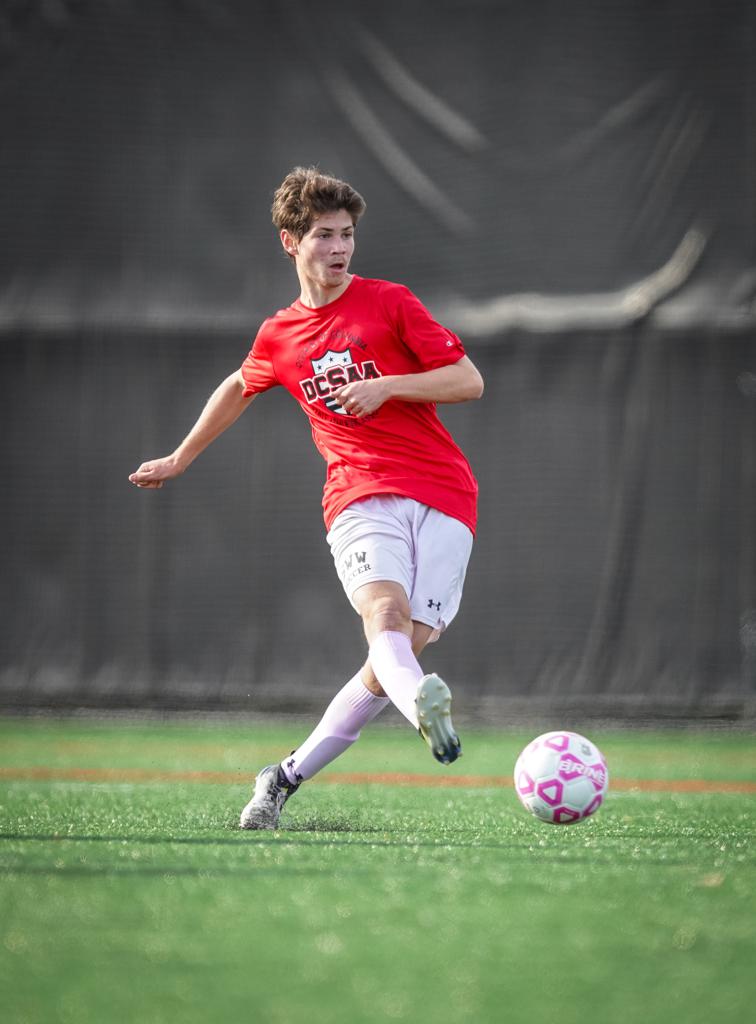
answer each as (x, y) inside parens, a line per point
(433, 703)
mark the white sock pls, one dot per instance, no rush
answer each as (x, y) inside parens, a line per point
(351, 709)
(397, 670)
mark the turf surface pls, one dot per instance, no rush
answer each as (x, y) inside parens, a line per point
(128, 894)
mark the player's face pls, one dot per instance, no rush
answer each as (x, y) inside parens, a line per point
(323, 254)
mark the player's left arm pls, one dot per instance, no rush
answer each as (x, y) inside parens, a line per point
(456, 382)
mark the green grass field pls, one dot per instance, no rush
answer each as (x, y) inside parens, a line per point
(128, 893)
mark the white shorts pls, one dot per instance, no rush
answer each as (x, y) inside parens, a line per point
(389, 537)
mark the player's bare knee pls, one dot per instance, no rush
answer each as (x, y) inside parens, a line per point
(386, 613)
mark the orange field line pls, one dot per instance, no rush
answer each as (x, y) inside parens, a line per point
(45, 774)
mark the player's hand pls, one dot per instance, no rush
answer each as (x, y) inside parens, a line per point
(153, 474)
(363, 397)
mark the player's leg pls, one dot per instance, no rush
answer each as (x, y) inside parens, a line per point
(353, 707)
(442, 547)
(378, 548)
(402, 563)
(424, 700)
(385, 612)
(421, 635)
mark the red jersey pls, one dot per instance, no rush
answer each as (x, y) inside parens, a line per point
(373, 329)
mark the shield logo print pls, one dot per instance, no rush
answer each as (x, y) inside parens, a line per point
(328, 361)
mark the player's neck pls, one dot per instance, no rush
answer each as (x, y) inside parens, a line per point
(314, 295)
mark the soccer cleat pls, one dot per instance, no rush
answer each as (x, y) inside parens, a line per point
(433, 703)
(272, 790)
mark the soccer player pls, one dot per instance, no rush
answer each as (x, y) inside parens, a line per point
(367, 363)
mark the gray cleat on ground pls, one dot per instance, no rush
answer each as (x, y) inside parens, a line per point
(272, 790)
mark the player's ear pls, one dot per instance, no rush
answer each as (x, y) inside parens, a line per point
(289, 242)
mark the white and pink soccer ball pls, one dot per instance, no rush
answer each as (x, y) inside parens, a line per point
(561, 778)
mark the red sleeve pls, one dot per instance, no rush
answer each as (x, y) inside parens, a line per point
(257, 369)
(433, 344)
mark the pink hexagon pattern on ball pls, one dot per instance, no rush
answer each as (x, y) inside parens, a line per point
(570, 767)
(557, 742)
(551, 791)
(593, 806)
(525, 785)
(597, 774)
(565, 815)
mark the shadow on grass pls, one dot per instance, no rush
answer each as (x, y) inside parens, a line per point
(166, 873)
(322, 827)
(515, 851)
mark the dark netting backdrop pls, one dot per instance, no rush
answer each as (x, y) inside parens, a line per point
(570, 187)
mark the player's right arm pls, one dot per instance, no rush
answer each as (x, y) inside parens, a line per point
(224, 407)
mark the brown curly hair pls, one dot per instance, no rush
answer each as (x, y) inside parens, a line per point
(306, 192)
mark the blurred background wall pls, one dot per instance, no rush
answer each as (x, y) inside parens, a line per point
(570, 187)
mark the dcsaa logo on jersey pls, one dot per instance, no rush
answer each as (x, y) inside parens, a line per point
(332, 371)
